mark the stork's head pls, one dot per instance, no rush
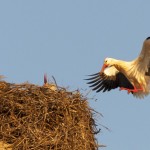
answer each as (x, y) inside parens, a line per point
(108, 62)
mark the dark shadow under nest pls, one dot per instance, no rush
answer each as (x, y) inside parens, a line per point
(43, 118)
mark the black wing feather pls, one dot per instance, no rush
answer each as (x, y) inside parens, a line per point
(96, 83)
(93, 78)
(123, 81)
(102, 82)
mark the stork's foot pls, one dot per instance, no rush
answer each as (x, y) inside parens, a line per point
(135, 90)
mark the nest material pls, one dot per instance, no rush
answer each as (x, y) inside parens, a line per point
(39, 118)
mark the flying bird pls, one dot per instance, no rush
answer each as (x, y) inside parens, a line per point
(133, 76)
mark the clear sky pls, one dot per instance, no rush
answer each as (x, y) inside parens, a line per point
(70, 39)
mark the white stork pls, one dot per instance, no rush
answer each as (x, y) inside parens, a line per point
(133, 76)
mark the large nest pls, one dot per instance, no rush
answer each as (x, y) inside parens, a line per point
(45, 118)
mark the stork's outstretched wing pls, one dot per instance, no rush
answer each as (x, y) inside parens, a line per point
(110, 79)
(143, 61)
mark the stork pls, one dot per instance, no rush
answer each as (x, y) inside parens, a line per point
(133, 76)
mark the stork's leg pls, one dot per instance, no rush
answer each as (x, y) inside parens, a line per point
(132, 90)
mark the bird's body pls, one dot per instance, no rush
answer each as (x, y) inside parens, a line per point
(133, 76)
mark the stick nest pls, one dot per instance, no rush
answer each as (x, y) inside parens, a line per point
(40, 118)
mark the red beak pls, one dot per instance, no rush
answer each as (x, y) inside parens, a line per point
(103, 68)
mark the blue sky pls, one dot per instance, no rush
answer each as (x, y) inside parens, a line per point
(70, 39)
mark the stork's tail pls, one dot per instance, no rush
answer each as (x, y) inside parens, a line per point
(146, 91)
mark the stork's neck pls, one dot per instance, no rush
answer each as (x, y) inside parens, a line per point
(121, 65)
